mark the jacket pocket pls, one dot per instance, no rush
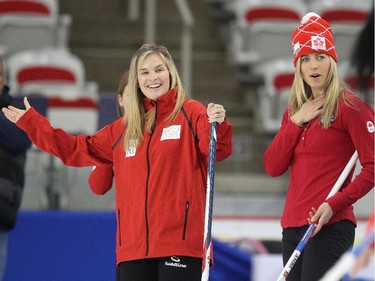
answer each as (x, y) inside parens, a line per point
(186, 219)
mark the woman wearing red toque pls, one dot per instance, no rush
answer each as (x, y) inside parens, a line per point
(323, 125)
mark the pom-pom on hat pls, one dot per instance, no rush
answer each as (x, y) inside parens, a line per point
(314, 35)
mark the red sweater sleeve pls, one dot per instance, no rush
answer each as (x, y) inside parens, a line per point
(224, 141)
(101, 178)
(362, 136)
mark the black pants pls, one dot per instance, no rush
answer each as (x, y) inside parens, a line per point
(321, 251)
(161, 269)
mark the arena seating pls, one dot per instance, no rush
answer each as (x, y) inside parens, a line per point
(274, 93)
(60, 76)
(32, 24)
(262, 29)
(259, 43)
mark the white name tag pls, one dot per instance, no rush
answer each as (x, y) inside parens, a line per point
(171, 133)
(131, 149)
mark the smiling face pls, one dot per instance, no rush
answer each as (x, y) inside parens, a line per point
(314, 69)
(153, 77)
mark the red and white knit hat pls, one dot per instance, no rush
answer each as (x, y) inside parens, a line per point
(314, 35)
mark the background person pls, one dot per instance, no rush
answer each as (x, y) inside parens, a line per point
(321, 128)
(13, 146)
(363, 58)
(101, 177)
(159, 152)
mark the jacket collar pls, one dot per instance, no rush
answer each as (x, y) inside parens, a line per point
(165, 103)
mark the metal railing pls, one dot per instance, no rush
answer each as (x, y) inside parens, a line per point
(186, 44)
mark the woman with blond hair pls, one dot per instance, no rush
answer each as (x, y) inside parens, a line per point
(323, 125)
(159, 152)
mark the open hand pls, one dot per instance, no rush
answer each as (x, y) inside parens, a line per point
(13, 114)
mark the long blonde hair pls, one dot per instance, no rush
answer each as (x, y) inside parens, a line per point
(137, 119)
(334, 91)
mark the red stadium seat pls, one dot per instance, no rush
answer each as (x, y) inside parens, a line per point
(32, 24)
(60, 76)
(274, 94)
(262, 30)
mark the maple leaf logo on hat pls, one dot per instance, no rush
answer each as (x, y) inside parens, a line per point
(318, 43)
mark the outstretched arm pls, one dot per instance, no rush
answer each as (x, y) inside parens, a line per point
(73, 150)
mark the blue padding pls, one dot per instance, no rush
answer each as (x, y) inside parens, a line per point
(107, 110)
(80, 246)
(230, 263)
(62, 246)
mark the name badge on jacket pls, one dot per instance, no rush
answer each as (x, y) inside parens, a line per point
(171, 133)
(131, 149)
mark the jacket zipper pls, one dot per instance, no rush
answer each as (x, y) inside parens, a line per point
(119, 226)
(186, 219)
(148, 177)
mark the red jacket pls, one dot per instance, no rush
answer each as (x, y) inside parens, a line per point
(315, 158)
(160, 186)
(101, 179)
